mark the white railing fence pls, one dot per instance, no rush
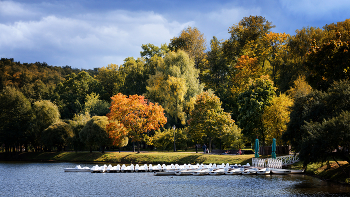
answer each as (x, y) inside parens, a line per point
(275, 163)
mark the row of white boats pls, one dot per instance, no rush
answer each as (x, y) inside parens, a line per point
(186, 169)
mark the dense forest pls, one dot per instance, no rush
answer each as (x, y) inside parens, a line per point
(255, 84)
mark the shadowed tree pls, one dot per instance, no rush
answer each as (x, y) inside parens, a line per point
(319, 124)
(95, 133)
(252, 104)
(15, 118)
(57, 135)
(45, 113)
(78, 123)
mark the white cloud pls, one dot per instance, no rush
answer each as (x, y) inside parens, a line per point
(10, 8)
(217, 22)
(87, 40)
(230, 16)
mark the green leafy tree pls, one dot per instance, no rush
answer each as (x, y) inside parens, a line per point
(232, 138)
(38, 90)
(174, 84)
(77, 124)
(57, 135)
(110, 78)
(15, 118)
(165, 139)
(252, 104)
(95, 133)
(218, 73)
(209, 120)
(150, 50)
(320, 139)
(73, 92)
(249, 31)
(319, 119)
(311, 107)
(94, 106)
(134, 75)
(45, 113)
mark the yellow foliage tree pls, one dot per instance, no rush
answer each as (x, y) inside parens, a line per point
(192, 41)
(247, 68)
(300, 89)
(276, 117)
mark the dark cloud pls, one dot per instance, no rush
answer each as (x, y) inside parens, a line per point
(92, 33)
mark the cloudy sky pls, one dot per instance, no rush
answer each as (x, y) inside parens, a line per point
(89, 34)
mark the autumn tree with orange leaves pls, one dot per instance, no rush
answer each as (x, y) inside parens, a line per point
(136, 116)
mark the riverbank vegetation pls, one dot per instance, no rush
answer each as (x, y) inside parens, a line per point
(130, 157)
(255, 84)
(330, 170)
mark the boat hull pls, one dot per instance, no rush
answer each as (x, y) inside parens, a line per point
(171, 173)
(297, 171)
(281, 172)
(76, 170)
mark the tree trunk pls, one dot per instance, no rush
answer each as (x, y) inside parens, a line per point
(119, 149)
(138, 147)
(210, 144)
(103, 149)
(26, 148)
(90, 149)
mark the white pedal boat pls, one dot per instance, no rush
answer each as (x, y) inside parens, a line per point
(98, 169)
(280, 171)
(113, 169)
(201, 172)
(264, 171)
(184, 172)
(166, 173)
(219, 171)
(297, 171)
(77, 168)
(234, 171)
(250, 171)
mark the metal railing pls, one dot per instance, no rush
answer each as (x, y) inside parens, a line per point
(279, 162)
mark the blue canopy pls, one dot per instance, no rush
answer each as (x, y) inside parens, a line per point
(256, 148)
(273, 154)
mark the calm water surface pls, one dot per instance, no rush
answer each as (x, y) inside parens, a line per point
(49, 179)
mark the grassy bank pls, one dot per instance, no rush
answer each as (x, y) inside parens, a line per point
(131, 157)
(328, 171)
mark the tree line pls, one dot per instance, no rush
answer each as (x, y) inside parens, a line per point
(255, 84)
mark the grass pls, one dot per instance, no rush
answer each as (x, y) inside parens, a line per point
(131, 157)
(328, 171)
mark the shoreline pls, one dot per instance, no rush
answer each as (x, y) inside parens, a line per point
(331, 173)
(127, 157)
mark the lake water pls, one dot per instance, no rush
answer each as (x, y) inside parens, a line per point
(49, 179)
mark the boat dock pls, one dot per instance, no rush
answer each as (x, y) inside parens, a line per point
(184, 170)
